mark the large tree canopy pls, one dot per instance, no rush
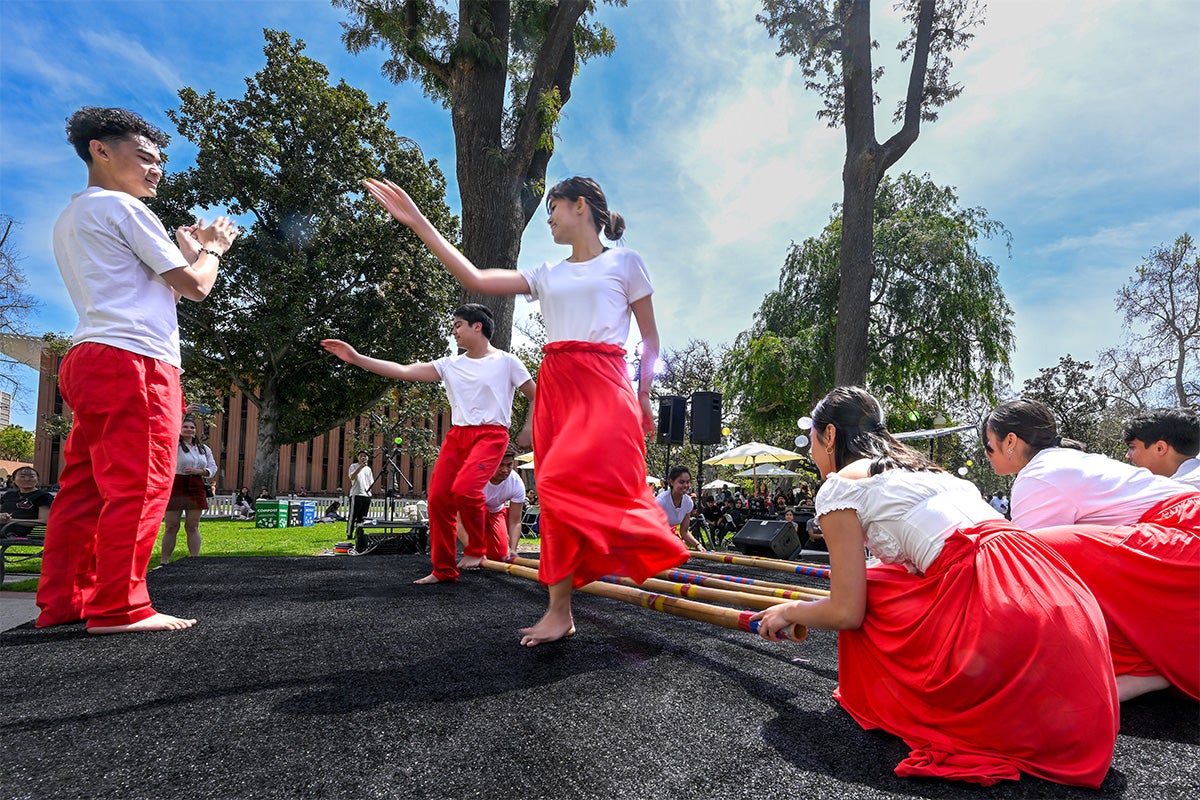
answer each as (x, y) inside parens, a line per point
(504, 68)
(832, 41)
(941, 329)
(317, 258)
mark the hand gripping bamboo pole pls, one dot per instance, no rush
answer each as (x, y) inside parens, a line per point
(815, 570)
(689, 609)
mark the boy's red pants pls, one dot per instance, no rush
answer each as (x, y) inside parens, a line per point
(118, 465)
(468, 459)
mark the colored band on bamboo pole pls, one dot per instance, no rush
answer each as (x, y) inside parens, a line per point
(689, 609)
(740, 584)
(814, 570)
(695, 592)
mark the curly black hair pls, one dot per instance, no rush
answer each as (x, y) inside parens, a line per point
(93, 122)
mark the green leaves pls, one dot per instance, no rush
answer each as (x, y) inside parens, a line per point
(316, 258)
(940, 326)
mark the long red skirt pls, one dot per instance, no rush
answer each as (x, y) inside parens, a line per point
(598, 516)
(1146, 578)
(993, 663)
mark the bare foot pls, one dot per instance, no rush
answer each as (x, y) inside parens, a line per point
(548, 629)
(159, 622)
(1131, 686)
(470, 562)
(428, 579)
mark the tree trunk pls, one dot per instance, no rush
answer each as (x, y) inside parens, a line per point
(492, 224)
(266, 456)
(860, 179)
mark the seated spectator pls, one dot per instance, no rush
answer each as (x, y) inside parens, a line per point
(26, 503)
(332, 513)
(1166, 441)
(243, 506)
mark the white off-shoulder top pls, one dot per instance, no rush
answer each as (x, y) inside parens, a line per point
(907, 516)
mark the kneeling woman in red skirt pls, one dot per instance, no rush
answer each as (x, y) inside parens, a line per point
(973, 641)
(194, 468)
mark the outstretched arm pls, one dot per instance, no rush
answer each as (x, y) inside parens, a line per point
(422, 371)
(485, 281)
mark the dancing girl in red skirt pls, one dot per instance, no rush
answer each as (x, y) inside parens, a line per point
(603, 519)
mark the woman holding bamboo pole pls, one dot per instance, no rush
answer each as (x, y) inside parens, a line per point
(972, 641)
(601, 519)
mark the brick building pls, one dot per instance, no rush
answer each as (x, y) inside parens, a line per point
(320, 466)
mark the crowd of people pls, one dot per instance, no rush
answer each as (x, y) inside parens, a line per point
(993, 647)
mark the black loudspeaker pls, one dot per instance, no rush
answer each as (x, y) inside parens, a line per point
(706, 418)
(773, 538)
(672, 415)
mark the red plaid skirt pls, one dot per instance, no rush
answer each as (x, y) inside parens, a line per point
(187, 494)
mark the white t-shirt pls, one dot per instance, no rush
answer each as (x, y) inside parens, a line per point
(907, 516)
(1189, 473)
(675, 516)
(481, 389)
(1061, 486)
(362, 480)
(111, 250)
(509, 490)
(589, 301)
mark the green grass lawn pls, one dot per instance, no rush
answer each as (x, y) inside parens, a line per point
(233, 538)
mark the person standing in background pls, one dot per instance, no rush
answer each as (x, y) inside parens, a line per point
(361, 481)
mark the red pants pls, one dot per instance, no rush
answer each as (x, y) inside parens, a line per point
(496, 535)
(1146, 578)
(598, 515)
(118, 466)
(467, 461)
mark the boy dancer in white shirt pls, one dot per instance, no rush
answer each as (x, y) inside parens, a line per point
(121, 376)
(480, 385)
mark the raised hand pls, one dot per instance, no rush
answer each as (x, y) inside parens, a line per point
(219, 235)
(340, 349)
(395, 200)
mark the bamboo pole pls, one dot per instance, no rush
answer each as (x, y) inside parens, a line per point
(689, 609)
(786, 591)
(815, 570)
(697, 592)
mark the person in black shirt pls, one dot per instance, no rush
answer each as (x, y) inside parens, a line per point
(26, 502)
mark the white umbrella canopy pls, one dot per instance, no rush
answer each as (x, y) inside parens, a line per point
(718, 484)
(524, 458)
(767, 471)
(751, 453)
(653, 481)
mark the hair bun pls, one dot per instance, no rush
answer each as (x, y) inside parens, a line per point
(615, 227)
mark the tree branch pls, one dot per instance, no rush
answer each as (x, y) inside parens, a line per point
(895, 147)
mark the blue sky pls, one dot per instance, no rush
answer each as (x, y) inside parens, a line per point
(1079, 129)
